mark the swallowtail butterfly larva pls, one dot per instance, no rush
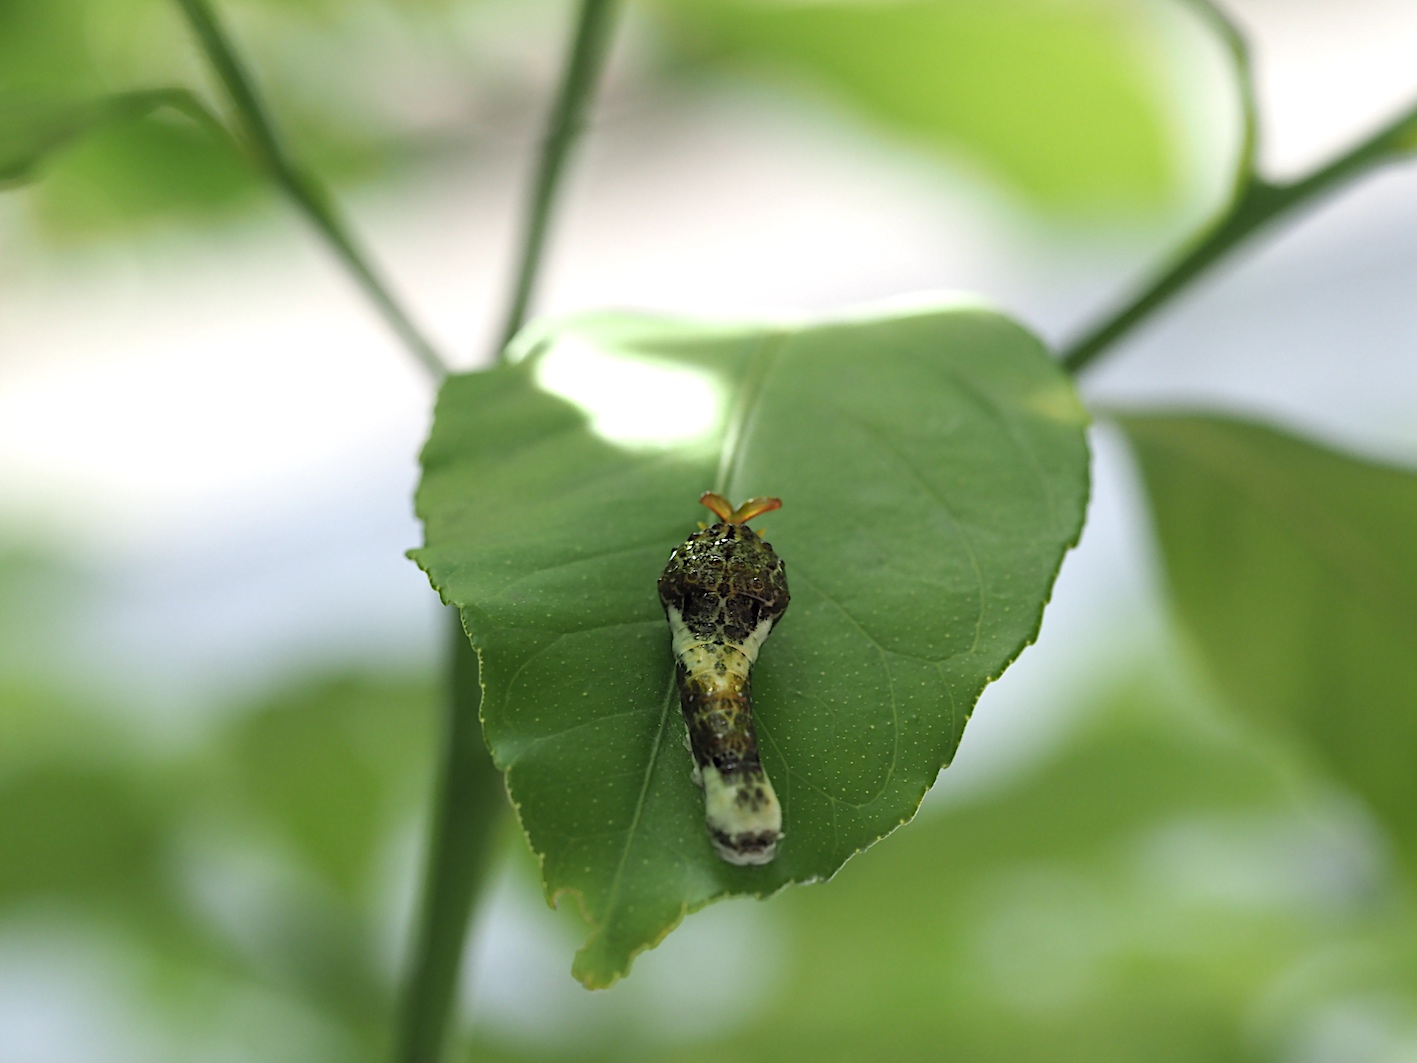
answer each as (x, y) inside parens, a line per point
(722, 591)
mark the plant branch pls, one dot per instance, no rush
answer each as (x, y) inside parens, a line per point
(466, 810)
(1255, 204)
(259, 134)
(1239, 49)
(470, 795)
(582, 72)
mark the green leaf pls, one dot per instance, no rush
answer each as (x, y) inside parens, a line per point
(110, 161)
(326, 766)
(933, 470)
(1061, 101)
(31, 131)
(80, 831)
(1293, 571)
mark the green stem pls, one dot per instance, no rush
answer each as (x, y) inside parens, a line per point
(1234, 42)
(1254, 207)
(466, 810)
(583, 66)
(303, 189)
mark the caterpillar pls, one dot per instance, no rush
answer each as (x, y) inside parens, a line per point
(723, 590)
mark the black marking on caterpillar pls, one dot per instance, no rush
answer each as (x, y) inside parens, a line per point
(722, 591)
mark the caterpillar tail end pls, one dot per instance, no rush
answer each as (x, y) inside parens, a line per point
(743, 815)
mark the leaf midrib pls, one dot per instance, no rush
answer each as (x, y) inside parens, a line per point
(745, 410)
(738, 427)
(634, 826)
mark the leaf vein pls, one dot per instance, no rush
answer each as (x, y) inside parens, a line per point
(875, 436)
(890, 684)
(615, 882)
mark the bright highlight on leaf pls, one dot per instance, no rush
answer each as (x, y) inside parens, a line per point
(935, 470)
(632, 402)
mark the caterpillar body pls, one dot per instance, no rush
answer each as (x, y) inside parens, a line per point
(723, 590)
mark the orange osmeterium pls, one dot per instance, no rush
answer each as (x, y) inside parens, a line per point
(744, 513)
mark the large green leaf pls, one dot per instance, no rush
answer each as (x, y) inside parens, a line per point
(933, 471)
(1293, 570)
(1061, 101)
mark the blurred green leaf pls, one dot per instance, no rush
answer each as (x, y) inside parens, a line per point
(47, 49)
(64, 69)
(175, 853)
(1155, 888)
(1134, 898)
(138, 173)
(41, 728)
(31, 131)
(1292, 568)
(336, 79)
(1061, 101)
(85, 833)
(933, 471)
(85, 811)
(331, 767)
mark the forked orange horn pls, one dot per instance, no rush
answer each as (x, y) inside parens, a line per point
(755, 507)
(744, 513)
(721, 507)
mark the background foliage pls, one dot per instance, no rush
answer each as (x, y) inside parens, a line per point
(1210, 859)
